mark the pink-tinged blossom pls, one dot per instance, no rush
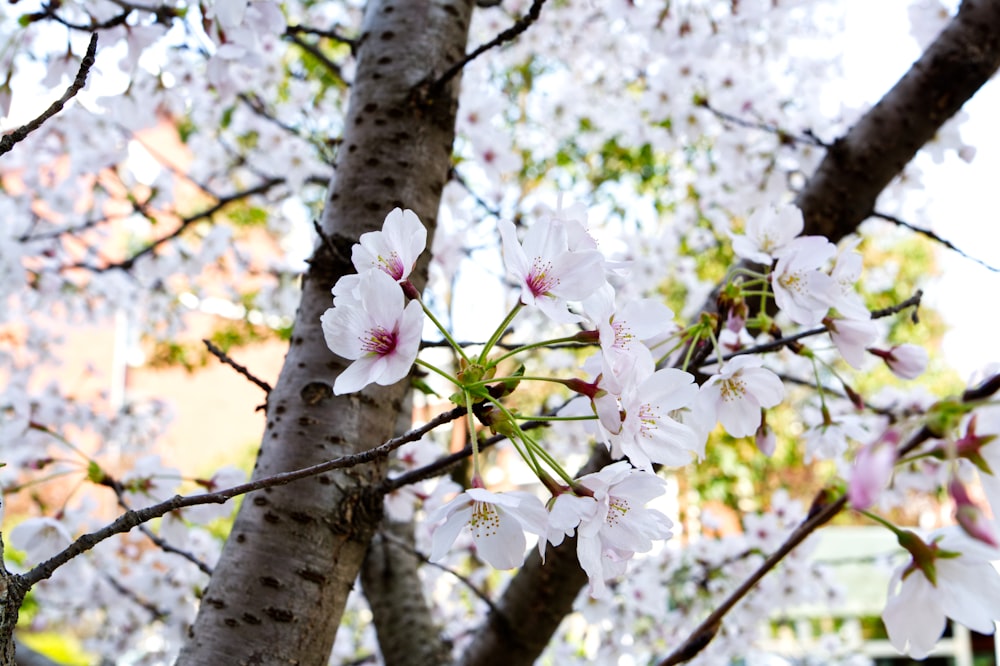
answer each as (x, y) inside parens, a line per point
(801, 289)
(872, 470)
(649, 434)
(497, 522)
(624, 332)
(548, 273)
(765, 439)
(967, 589)
(852, 338)
(906, 361)
(981, 445)
(615, 524)
(375, 331)
(846, 272)
(394, 249)
(768, 230)
(738, 393)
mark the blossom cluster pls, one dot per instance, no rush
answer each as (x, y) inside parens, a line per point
(647, 413)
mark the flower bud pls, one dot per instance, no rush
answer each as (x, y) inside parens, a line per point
(905, 361)
(970, 516)
(872, 470)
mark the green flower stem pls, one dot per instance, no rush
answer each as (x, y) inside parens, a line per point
(662, 358)
(514, 378)
(528, 417)
(470, 419)
(532, 447)
(690, 350)
(499, 332)
(444, 331)
(534, 345)
(434, 368)
(59, 438)
(739, 270)
(881, 521)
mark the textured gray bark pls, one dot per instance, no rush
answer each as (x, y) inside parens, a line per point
(407, 635)
(278, 591)
(404, 623)
(842, 192)
(838, 197)
(12, 593)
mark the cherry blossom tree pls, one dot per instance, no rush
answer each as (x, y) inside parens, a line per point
(663, 231)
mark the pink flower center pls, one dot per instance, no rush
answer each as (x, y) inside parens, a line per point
(539, 279)
(379, 341)
(392, 266)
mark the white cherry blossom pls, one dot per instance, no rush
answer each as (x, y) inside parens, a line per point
(967, 590)
(394, 249)
(768, 229)
(547, 271)
(376, 331)
(801, 289)
(906, 361)
(649, 434)
(852, 338)
(497, 522)
(738, 392)
(624, 332)
(615, 523)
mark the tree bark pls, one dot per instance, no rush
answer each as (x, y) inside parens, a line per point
(279, 589)
(838, 198)
(407, 635)
(963, 57)
(12, 591)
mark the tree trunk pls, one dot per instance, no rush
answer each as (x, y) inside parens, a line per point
(279, 589)
(12, 591)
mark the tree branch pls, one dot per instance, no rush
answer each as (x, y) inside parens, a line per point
(934, 237)
(221, 202)
(784, 136)
(507, 35)
(241, 369)
(133, 518)
(859, 165)
(8, 141)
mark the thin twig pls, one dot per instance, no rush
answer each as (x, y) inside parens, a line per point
(159, 542)
(148, 606)
(784, 136)
(399, 543)
(775, 345)
(313, 50)
(242, 369)
(332, 33)
(131, 519)
(507, 35)
(934, 237)
(454, 175)
(221, 202)
(8, 141)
